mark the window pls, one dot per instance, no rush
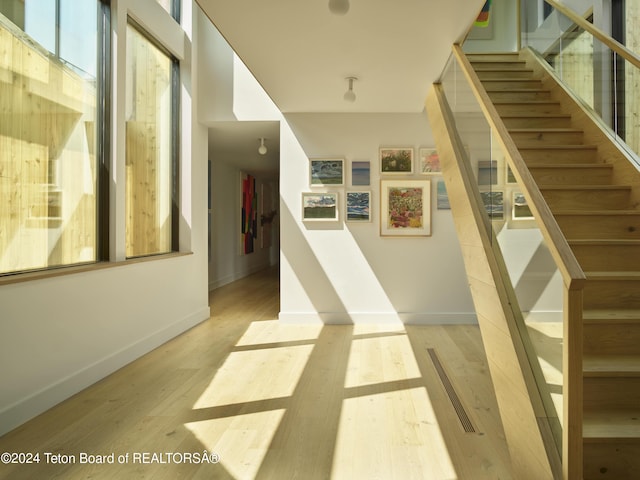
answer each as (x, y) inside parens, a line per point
(52, 107)
(171, 6)
(151, 146)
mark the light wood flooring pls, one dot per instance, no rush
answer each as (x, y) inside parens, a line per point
(279, 402)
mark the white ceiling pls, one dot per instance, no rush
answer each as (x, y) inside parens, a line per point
(301, 53)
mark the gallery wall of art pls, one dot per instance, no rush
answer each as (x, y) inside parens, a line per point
(345, 258)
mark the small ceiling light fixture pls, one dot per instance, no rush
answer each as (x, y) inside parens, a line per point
(339, 7)
(262, 150)
(350, 95)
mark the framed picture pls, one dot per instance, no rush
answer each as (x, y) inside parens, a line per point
(487, 172)
(396, 160)
(405, 207)
(494, 204)
(520, 209)
(510, 178)
(326, 172)
(319, 206)
(358, 207)
(442, 197)
(360, 173)
(429, 161)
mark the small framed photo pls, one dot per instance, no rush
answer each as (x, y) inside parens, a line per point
(494, 204)
(510, 178)
(520, 209)
(405, 208)
(398, 161)
(326, 172)
(360, 173)
(358, 206)
(318, 207)
(487, 172)
(429, 161)
(442, 197)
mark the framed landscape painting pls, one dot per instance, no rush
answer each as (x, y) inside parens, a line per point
(429, 161)
(405, 207)
(494, 204)
(398, 161)
(326, 172)
(358, 206)
(360, 173)
(319, 207)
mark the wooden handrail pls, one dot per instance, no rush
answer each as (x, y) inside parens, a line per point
(572, 274)
(613, 44)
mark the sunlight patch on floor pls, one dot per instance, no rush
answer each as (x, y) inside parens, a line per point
(273, 331)
(399, 442)
(379, 360)
(241, 441)
(265, 374)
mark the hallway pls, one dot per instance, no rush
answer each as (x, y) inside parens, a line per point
(275, 401)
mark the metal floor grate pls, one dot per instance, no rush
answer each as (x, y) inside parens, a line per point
(451, 392)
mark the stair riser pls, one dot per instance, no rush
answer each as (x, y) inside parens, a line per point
(613, 338)
(507, 85)
(611, 392)
(586, 199)
(611, 460)
(599, 258)
(498, 64)
(505, 74)
(624, 227)
(527, 108)
(537, 122)
(612, 294)
(547, 138)
(483, 58)
(499, 96)
(559, 156)
(571, 176)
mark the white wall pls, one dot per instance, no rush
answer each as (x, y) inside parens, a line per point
(61, 334)
(345, 272)
(502, 33)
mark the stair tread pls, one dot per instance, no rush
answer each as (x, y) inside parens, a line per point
(605, 241)
(559, 147)
(584, 187)
(535, 115)
(612, 275)
(606, 365)
(546, 129)
(585, 213)
(614, 315)
(611, 424)
(572, 165)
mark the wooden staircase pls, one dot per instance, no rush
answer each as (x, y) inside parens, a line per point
(597, 209)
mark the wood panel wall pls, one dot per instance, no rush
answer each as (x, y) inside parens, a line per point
(633, 76)
(148, 167)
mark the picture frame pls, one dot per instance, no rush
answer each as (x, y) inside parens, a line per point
(519, 207)
(442, 198)
(405, 208)
(509, 177)
(320, 206)
(494, 204)
(429, 161)
(326, 172)
(487, 172)
(360, 173)
(358, 206)
(396, 160)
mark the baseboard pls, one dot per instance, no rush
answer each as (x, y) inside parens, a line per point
(405, 318)
(20, 412)
(222, 281)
